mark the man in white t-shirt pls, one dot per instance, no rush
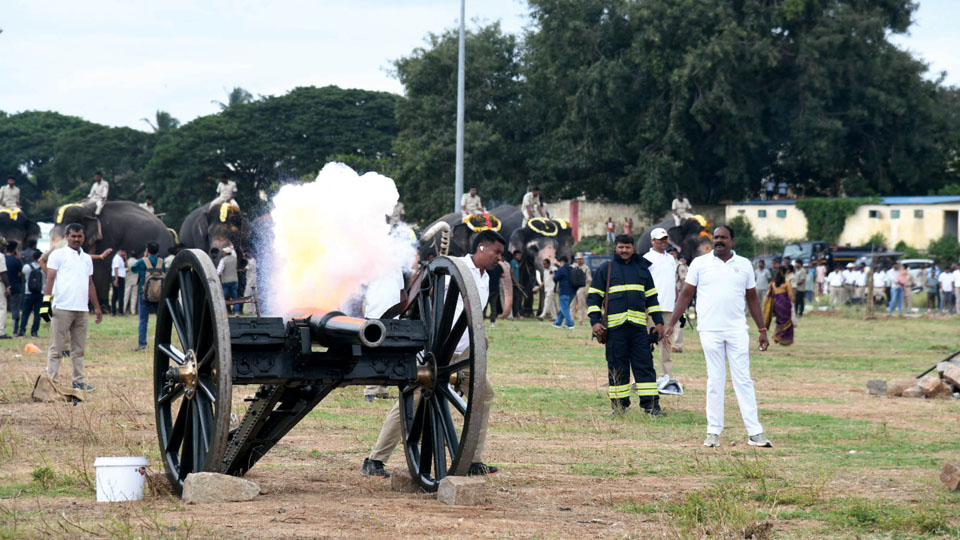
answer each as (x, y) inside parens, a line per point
(956, 288)
(118, 273)
(663, 269)
(532, 205)
(946, 290)
(488, 246)
(724, 281)
(66, 296)
(835, 284)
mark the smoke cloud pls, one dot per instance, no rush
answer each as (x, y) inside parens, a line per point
(330, 237)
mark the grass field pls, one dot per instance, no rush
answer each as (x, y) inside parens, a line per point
(844, 464)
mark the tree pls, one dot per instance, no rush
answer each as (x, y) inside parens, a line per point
(494, 152)
(165, 122)
(237, 96)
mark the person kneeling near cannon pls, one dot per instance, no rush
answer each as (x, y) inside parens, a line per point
(488, 246)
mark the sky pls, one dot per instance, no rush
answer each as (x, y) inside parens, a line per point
(117, 62)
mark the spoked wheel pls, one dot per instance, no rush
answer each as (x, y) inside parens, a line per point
(191, 368)
(441, 413)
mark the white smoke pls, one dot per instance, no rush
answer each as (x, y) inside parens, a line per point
(330, 237)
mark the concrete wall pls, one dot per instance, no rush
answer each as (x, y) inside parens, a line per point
(916, 230)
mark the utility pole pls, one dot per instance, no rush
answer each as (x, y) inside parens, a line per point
(458, 191)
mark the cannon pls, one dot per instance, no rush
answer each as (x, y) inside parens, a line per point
(201, 354)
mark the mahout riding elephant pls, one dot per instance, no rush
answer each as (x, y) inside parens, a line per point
(216, 226)
(121, 225)
(503, 219)
(16, 226)
(692, 237)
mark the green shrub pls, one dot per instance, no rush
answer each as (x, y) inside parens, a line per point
(827, 217)
(592, 244)
(945, 250)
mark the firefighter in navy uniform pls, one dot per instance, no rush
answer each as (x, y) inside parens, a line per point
(632, 298)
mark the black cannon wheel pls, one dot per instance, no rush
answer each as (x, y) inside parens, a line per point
(441, 412)
(192, 372)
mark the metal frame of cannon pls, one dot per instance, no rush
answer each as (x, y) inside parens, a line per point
(200, 354)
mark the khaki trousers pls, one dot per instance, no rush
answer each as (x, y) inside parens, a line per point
(130, 300)
(578, 307)
(666, 364)
(390, 433)
(836, 295)
(549, 308)
(3, 315)
(65, 325)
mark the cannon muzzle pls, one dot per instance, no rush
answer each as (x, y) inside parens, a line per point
(335, 328)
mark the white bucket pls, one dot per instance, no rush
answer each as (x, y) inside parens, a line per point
(120, 478)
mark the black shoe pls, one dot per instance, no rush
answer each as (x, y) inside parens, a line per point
(83, 386)
(656, 412)
(65, 353)
(34, 334)
(482, 469)
(373, 467)
(140, 348)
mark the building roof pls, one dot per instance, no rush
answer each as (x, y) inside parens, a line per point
(918, 200)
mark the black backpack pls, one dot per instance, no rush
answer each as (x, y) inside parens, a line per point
(35, 281)
(578, 278)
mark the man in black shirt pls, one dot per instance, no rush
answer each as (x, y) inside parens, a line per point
(493, 300)
(14, 276)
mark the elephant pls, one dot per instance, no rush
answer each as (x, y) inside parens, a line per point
(462, 236)
(16, 226)
(693, 237)
(219, 226)
(539, 239)
(121, 225)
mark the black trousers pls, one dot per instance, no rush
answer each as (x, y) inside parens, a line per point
(628, 348)
(493, 301)
(800, 298)
(517, 300)
(116, 302)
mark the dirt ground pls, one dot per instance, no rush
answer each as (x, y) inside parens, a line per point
(568, 470)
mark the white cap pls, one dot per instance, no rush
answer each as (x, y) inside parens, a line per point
(658, 233)
(850, 265)
(228, 250)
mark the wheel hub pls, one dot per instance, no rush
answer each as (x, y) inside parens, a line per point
(427, 372)
(186, 375)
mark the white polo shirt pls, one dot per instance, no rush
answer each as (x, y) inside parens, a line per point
(879, 280)
(721, 289)
(119, 265)
(71, 287)
(663, 268)
(483, 287)
(860, 279)
(835, 279)
(946, 281)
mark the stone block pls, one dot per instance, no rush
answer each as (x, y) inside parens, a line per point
(461, 490)
(951, 374)
(950, 475)
(929, 385)
(209, 487)
(913, 391)
(897, 386)
(402, 481)
(944, 392)
(877, 387)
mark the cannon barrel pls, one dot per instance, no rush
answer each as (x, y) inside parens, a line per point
(335, 328)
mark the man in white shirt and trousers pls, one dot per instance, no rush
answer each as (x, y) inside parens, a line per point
(226, 193)
(98, 192)
(663, 268)
(724, 280)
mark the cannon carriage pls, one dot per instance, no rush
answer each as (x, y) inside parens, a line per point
(201, 354)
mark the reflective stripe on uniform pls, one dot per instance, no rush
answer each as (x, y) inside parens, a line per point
(649, 293)
(624, 288)
(621, 391)
(594, 309)
(591, 290)
(647, 389)
(636, 317)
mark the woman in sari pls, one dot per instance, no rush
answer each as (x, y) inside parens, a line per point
(777, 303)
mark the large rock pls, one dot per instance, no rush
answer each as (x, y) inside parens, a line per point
(930, 386)
(944, 392)
(950, 475)
(877, 387)
(913, 391)
(402, 481)
(461, 490)
(897, 386)
(208, 487)
(951, 374)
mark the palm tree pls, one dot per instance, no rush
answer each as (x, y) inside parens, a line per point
(165, 122)
(237, 96)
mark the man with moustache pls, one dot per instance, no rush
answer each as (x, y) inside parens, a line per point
(488, 246)
(722, 280)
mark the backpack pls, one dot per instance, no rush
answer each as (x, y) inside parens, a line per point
(153, 285)
(578, 278)
(35, 281)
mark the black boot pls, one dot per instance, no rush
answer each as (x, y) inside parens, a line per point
(619, 406)
(651, 405)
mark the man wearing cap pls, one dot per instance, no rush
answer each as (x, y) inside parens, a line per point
(98, 192)
(10, 194)
(849, 278)
(532, 205)
(578, 308)
(663, 268)
(470, 203)
(682, 209)
(226, 192)
(227, 270)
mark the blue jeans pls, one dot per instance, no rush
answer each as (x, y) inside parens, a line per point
(565, 300)
(896, 299)
(31, 304)
(231, 292)
(145, 308)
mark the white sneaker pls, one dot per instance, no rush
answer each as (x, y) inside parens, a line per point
(555, 325)
(759, 440)
(712, 440)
